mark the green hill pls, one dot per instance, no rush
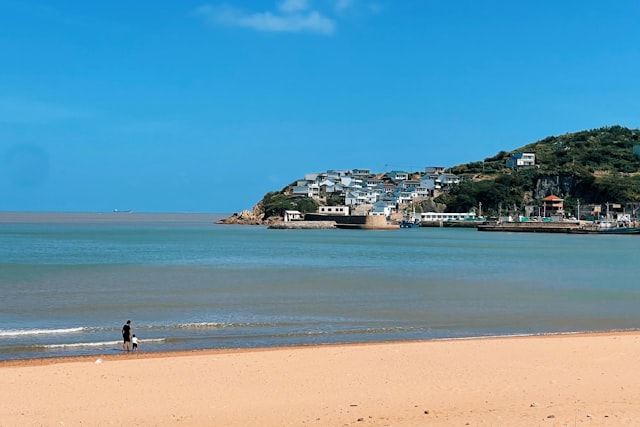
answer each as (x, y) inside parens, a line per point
(595, 166)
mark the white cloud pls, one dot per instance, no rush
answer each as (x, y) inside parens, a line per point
(343, 4)
(294, 17)
(29, 112)
(292, 6)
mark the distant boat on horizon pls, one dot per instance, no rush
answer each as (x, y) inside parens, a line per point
(122, 211)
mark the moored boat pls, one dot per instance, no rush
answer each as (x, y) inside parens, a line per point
(571, 227)
(609, 227)
(410, 223)
(628, 230)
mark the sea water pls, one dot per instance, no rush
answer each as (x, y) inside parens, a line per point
(68, 282)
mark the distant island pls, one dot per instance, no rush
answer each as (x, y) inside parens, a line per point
(590, 171)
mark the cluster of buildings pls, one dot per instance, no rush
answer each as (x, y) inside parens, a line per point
(384, 192)
(364, 193)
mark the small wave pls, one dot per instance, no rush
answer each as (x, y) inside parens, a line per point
(205, 325)
(357, 331)
(202, 325)
(97, 344)
(19, 332)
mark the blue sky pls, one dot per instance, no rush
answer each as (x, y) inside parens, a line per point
(196, 106)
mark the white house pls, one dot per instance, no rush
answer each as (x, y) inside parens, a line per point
(355, 198)
(336, 174)
(434, 170)
(409, 183)
(334, 210)
(292, 216)
(428, 182)
(351, 182)
(398, 175)
(311, 190)
(361, 172)
(438, 182)
(447, 179)
(518, 160)
(382, 208)
(374, 182)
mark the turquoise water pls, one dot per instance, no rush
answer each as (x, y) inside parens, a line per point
(69, 282)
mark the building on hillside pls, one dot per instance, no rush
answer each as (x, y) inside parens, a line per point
(336, 174)
(306, 189)
(447, 179)
(409, 183)
(552, 205)
(433, 184)
(351, 182)
(518, 160)
(383, 208)
(362, 173)
(373, 182)
(398, 175)
(434, 170)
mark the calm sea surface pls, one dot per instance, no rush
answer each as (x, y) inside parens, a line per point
(68, 282)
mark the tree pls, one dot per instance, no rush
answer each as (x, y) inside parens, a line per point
(306, 205)
(275, 203)
(335, 199)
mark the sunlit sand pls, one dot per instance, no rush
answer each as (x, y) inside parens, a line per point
(554, 380)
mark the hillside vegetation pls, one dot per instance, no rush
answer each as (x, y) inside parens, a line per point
(595, 167)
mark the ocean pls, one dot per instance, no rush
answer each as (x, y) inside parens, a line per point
(68, 282)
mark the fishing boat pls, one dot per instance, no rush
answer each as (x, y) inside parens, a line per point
(410, 222)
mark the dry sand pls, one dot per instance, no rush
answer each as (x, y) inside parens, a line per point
(566, 380)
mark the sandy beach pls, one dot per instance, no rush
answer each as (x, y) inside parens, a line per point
(564, 380)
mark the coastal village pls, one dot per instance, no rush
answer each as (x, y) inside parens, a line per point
(368, 200)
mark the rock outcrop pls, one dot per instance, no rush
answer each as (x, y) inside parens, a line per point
(247, 217)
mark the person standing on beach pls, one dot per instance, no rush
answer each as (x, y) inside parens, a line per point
(134, 341)
(126, 336)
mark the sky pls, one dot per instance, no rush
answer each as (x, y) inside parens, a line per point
(205, 106)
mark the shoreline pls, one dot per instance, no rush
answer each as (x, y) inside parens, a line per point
(142, 354)
(555, 380)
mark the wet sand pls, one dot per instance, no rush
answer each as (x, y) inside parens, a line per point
(521, 381)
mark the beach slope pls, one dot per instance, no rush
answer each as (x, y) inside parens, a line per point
(554, 381)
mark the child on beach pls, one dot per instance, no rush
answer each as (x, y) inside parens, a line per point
(134, 342)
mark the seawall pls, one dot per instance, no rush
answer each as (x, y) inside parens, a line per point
(363, 222)
(532, 227)
(300, 225)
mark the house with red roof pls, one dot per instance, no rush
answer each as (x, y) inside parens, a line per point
(552, 205)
